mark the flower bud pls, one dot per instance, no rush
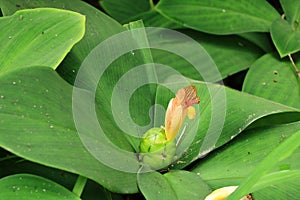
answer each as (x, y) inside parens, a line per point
(178, 108)
(158, 152)
(158, 145)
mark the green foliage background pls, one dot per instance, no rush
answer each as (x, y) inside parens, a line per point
(251, 43)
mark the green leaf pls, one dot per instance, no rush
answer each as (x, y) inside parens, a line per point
(291, 11)
(98, 28)
(40, 102)
(187, 185)
(154, 185)
(261, 40)
(275, 178)
(14, 165)
(48, 37)
(280, 153)
(79, 185)
(287, 39)
(272, 78)
(122, 10)
(285, 36)
(27, 186)
(17, 165)
(277, 118)
(220, 17)
(152, 18)
(284, 190)
(232, 163)
(113, 100)
(241, 52)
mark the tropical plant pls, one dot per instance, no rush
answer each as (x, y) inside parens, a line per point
(80, 87)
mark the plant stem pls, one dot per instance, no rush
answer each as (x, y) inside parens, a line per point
(294, 65)
(79, 185)
(151, 4)
(8, 157)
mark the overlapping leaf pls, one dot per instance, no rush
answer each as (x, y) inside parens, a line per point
(15, 165)
(285, 36)
(187, 185)
(94, 34)
(153, 185)
(286, 33)
(269, 77)
(178, 184)
(231, 164)
(220, 17)
(38, 117)
(20, 186)
(280, 153)
(122, 10)
(291, 10)
(34, 37)
(241, 52)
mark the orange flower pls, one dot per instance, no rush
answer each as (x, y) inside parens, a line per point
(178, 108)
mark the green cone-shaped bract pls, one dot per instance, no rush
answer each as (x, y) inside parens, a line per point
(156, 151)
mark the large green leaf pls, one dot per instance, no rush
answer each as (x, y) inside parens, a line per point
(285, 33)
(40, 37)
(231, 164)
(179, 184)
(283, 190)
(241, 52)
(10, 165)
(122, 10)
(272, 78)
(15, 165)
(285, 36)
(261, 40)
(26, 186)
(224, 113)
(154, 185)
(37, 124)
(220, 17)
(88, 44)
(276, 178)
(187, 185)
(291, 11)
(95, 32)
(98, 27)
